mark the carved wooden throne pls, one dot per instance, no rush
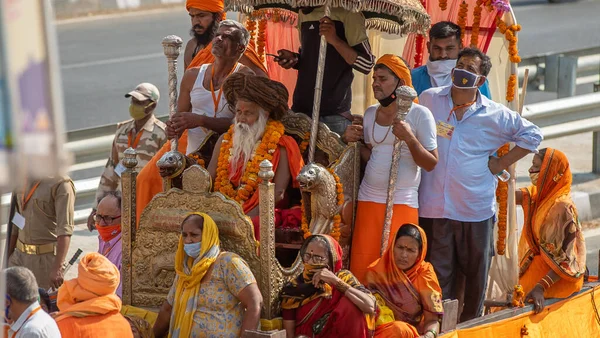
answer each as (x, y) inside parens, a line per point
(149, 250)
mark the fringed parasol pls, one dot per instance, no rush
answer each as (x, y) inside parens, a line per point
(398, 17)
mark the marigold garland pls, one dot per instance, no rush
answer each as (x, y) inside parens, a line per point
(518, 299)
(443, 4)
(489, 6)
(502, 198)
(511, 87)
(249, 180)
(462, 19)
(476, 23)
(260, 41)
(305, 142)
(511, 36)
(251, 28)
(419, 44)
(337, 219)
(198, 159)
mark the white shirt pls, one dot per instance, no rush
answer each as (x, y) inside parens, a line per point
(203, 104)
(376, 180)
(39, 325)
(461, 187)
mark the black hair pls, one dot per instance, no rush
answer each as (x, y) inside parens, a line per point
(410, 230)
(486, 63)
(542, 152)
(201, 224)
(443, 30)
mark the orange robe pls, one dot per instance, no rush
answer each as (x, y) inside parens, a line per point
(552, 239)
(366, 240)
(149, 182)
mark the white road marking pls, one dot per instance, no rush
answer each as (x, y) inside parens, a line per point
(112, 61)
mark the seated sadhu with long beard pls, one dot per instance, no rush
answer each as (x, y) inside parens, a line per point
(256, 134)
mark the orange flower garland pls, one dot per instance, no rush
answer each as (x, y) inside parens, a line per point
(462, 19)
(249, 181)
(337, 219)
(251, 27)
(419, 45)
(518, 296)
(260, 41)
(510, 33)
(502, 198)
(489, 6)
(198, 159)
(511, 87)
(304, 143)
(476, 23)
(443, 4)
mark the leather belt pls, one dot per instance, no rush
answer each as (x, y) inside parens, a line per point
(32, 249)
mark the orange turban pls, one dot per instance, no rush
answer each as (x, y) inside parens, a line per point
(398, 67)
(213, 6)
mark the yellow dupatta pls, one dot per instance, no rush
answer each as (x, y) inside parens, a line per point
(188, 283)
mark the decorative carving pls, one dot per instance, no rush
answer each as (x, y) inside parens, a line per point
(170, 167)
(348, 170)
(172, 49)
(128, 181)
(196, 179)
(318, 181)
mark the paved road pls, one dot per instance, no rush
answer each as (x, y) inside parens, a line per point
(103, 59)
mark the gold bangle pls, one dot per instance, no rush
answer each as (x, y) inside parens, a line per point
(342, 286)
(547, 282)
(551, 281)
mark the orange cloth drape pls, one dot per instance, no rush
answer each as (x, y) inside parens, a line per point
(407, 293)
(282, 35)
(149, 182)
(88, 304)
(396, 329)
(573, 317)
(366, 240)
(295, 163)
(213, 6)
(205, 56)
(550, 217)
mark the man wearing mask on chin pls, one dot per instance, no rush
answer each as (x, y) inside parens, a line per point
(143, 132)
(443, 47)
(457, 198)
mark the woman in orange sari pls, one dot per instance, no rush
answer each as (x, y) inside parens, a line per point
(326, 301)
(408, 294)
(552, 247)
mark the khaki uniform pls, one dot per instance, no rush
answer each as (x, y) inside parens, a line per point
(48, 214)
(152, 139)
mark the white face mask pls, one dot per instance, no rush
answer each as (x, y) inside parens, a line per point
(440, 72)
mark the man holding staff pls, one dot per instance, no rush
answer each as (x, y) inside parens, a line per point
(380, 129)
(458, 196)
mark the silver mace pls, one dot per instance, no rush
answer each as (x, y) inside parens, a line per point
(405, 96)
(172, 48)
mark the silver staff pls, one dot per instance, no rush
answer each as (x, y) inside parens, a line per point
(172, 48)
(405, 96)
(318, 92)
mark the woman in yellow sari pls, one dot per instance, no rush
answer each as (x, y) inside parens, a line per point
(214, 292)
(408, 293)
(551, 247)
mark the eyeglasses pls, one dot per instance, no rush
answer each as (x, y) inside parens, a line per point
(315, 258)
(107, 219)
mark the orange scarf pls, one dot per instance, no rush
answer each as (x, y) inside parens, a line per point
(398, 67)
(548, 210)
(92, 293)
(205, 56)
(406, 293)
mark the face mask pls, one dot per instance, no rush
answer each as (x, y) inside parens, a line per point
(192, 249)
(108, 232)
(7, 309)
(534, 177)
(440, 72)
(464, 79)
(390, 99)
(138, 112)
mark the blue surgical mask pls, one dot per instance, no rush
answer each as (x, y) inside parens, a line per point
(7, 308)
(464, 79)
(192, 249)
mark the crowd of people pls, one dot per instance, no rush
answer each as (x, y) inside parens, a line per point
(229, 120)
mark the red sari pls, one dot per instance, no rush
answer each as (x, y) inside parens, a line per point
(324, 312)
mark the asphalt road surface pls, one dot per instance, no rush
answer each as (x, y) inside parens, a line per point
(102, 59)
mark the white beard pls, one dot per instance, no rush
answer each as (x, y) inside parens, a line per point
(245, 139)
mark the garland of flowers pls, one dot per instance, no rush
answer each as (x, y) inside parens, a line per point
(251, 28)
(476, 23)
(510, 33)
(260, 41)
(462, 19)
(249, 181)
(305, 142)
(198, 159)
(518, 296)
(502, 198)
(511, 87)
(443, 4)
(337, 219)
(420, 43)
(489, 6)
